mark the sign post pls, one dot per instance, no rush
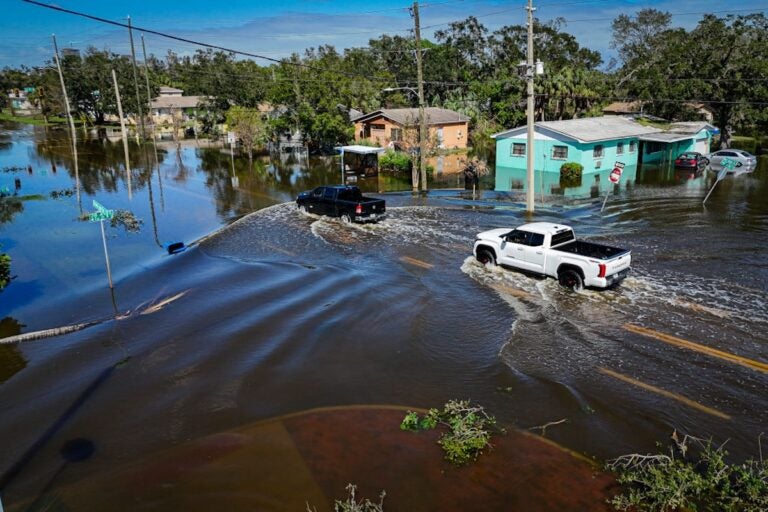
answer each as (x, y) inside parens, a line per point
(100, 215)
(614, 177)
(231, 139)
(727, 165)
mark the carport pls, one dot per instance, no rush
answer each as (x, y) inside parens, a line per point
(359, 161)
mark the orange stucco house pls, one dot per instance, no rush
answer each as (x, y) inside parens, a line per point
(388, 126)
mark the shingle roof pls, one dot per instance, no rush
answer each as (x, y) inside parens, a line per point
(177, 101)
(169, 90)
(590, 129)
(410, 116)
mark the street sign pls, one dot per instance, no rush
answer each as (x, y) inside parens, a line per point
(101, 213)
(100, 216)
(728, 164)
(230, 137)
(615, 175)
(722, 173)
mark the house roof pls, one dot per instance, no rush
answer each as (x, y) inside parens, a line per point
(177, 101)
(410, 116)
(589, 129)
(666, 137)
(170, 90)
(692, 127)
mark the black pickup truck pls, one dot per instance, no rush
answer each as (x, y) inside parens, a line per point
(342, 201)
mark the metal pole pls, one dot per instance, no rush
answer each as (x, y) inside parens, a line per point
(710, 191)
(71, 120)
(106, 254)
(605, 200)
(343, 180)
(422, 117)
(136, 81)
(125, 135)
(232, 154)
(149, 98)
(529, 193)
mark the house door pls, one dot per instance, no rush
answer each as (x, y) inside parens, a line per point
(367, 131)
(702, 146)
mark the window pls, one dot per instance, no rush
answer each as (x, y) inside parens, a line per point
(396, 134)
(318, 192)
(560, 152)
(518, 149)
(653, 147)
(632, 146)
(597, 152)
(329, 193)
(536, 240)
(518, 237)
(377, 127)
(562, 237)
(620, 148)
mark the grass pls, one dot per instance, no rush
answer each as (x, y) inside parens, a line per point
(36, 120)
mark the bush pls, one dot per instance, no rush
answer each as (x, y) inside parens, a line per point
(5, 270)
(570, 174)
(395, 161)
(681, 481)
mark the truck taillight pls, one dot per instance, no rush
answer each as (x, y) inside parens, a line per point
(601, 273)
(359, 209)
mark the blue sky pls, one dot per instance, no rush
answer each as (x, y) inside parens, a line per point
(276, 29)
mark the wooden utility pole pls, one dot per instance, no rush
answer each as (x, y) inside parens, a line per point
(530, 73)
(124, 133)
(69, 116)
(136, 80)
(149, 96)
(422, 117)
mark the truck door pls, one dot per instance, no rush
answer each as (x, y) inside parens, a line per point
(315, 203)
(513, 247)
(533, 252)
(329, 202)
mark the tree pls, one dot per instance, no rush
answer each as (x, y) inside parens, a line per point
(249, 127)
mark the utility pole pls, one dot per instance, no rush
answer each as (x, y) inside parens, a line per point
(69, 116)
(136, 79)
(149, 96)
(124, 133)
(422, 117)
(530, 73)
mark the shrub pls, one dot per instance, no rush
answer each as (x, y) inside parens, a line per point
(680, 481)
(469, 429)
(5, 270)
(570, 174)
(395, 161)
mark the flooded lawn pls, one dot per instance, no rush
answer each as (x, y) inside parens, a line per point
(222, 363)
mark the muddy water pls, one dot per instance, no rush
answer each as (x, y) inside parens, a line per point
(283, 312)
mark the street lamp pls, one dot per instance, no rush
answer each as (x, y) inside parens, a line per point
(422, 137)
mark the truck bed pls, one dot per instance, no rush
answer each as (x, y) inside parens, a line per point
(591, 250)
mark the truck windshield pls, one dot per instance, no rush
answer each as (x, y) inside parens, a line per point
(562, 237)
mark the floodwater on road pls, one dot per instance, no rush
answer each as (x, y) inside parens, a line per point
(282, 312)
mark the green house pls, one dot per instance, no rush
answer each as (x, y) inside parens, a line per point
(662, 147)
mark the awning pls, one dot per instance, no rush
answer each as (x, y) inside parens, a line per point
(360, 150)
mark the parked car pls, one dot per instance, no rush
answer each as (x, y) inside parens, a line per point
(342, 201)
(742, 159)
(691, 160)
(544, 248)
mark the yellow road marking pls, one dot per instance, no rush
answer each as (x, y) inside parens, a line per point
(512, 291)
(414, 261)
(665, 393)
(679, 342)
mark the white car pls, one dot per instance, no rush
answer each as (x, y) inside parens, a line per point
(549, 249)
(742, 159)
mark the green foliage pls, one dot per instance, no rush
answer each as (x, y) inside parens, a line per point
(681, 481)
(468, 429)
(5, 270)
(127, 220)
(395, 161)
(570, 174)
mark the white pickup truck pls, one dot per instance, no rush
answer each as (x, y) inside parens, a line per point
(552, 249)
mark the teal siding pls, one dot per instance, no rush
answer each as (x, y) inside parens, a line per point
(507, 165)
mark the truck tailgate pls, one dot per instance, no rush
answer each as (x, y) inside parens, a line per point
(617, 264)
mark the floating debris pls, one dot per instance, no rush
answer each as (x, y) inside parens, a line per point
(58, 194)
(128, 220)
(13, 168)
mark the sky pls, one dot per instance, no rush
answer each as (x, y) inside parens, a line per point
(277, 29)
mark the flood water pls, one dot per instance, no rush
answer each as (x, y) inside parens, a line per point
(278, 312)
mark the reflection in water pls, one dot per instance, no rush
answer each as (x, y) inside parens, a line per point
(11, 359)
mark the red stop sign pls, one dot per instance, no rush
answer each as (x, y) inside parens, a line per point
(615, 175)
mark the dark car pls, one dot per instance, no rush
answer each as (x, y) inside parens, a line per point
(342, 201)
(691, 160)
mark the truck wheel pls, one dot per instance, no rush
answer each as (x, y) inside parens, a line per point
(485, 256)
(346, 219)
(571, 280)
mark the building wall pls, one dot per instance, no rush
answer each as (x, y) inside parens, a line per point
(454, 136)
(546, 161)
